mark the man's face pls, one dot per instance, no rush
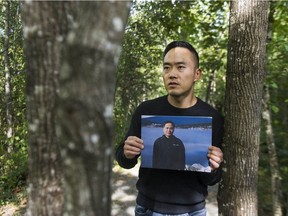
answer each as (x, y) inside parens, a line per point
(180, 72)
(168, 129)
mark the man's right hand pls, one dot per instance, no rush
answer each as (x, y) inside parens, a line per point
(133, 147)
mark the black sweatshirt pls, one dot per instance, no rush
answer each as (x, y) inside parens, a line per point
(172, 191)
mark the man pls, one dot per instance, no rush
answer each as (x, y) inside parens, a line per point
(173, 192)
(168, 150)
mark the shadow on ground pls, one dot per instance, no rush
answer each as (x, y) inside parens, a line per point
(124, 191)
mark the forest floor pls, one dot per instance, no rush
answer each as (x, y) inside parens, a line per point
(123, 196)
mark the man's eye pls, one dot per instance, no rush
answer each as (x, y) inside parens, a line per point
(165, 68)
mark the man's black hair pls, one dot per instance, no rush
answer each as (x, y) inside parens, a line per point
(183, 44)
(166, 122)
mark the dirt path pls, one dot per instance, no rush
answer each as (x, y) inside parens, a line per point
(124, 193)
(123, 196)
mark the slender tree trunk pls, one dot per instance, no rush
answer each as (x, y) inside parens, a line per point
(277, 195)
(42, 50)
(244, 85)
(87, 82)
(8, 87)
(210, 87)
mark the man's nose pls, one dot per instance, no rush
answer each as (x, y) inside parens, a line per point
(173, 73)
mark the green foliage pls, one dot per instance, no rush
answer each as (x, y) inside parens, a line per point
(151, 26)
(13, 165)
(13, 173)
(277, 81)
(264, 185)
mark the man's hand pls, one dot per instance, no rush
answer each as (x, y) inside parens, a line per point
(133, 147)
(215, 156)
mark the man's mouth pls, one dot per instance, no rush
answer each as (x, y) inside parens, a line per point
(173, 84)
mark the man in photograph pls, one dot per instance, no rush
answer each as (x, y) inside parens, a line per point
(168, 150)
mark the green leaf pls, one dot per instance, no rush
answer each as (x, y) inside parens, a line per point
(275, 109)
(274, 85)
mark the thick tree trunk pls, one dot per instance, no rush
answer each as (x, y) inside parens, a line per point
(85, 57)
(42, 50)
(244, 84)
(87, 82)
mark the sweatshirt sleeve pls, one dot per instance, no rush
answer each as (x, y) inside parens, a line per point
(134, 130)
(211, 178)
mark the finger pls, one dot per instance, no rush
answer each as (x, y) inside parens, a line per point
(132, 148)
(215, 158)
(135, 141)
(135, 138)
(131, 152)
(213, 164)
(213, 150)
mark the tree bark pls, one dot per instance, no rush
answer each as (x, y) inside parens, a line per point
(244, 85)
(42, 50)
(87, 82)
(8, 87)
(210, 88)
(277, 195)
(80, 41)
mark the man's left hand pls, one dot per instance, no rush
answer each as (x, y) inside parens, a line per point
(215, 156)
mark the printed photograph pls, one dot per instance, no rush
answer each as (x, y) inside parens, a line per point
(176, 142)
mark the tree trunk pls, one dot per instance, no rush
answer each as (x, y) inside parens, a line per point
(8, 88)
(80, 41)
(42, 51)
(87, 82)
(244, 85)
(210, 88)
(277, 195)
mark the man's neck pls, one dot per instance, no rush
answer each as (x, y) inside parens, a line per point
(182, 102)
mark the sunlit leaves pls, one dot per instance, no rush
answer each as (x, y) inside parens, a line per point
(13, 166)
(152, 25)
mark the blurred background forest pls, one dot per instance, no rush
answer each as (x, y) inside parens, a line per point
(151, 26)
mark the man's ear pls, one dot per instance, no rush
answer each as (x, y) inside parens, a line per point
(198, 74)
